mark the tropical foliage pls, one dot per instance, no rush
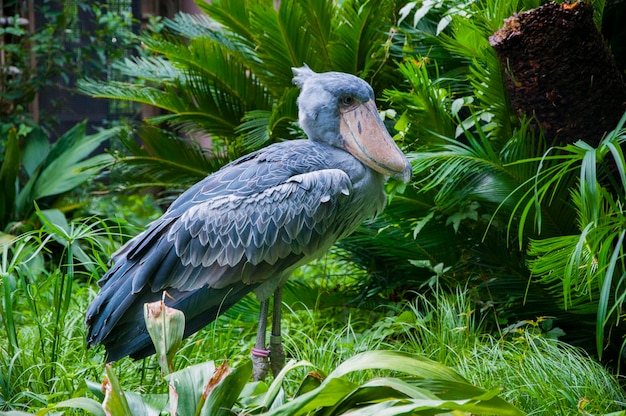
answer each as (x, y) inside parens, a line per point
(476, 212)
(37, 164)
(536, 374)
(500, 245)
(41, 172)
(230, 76)
(537, 226)
(425, 387)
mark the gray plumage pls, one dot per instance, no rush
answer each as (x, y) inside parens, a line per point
(245, 227)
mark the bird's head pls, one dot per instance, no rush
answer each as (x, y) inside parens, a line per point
(340, 109)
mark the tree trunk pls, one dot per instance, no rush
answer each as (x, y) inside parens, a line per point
(560, 71)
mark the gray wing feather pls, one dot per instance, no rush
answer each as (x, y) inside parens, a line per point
(296, 217)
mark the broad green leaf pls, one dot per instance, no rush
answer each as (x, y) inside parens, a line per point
(218, 376)
(277, 383)
(67, 141)
(396, 361)
(379, 390)
(423, 407)
(63, 174)
(84, 403)
(310, 382)
(225, 394)
(188, 384)
(95, 389)
(451, 390)
(56, 222)
(115, 403)
(403, 387)
(338, 396)
(252, 394)
(68, 164)
(396, 397)
(36, 150)
(328, 394)
(145, 405)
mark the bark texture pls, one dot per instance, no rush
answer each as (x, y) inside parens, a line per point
(560, 71)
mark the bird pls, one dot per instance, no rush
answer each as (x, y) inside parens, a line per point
(250, 224)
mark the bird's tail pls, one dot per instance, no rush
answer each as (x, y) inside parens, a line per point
(130, 336)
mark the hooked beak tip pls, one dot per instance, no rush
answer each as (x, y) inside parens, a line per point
(405, 176)
(402, 173)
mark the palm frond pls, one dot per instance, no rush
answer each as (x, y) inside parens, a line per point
(586, 269)
(192, 26)
(205, 59)
(254, 128)
(487, 80)
(359, 30)
(319, 15)
(153, 70)
(461, 171)
(164, 160)
(234, 18)
(260, 127)
(554, 180)
(588, 266)
(289, 45)
(200, 96)
(418, 38)
(283, 122)
(426, 104)
(468, 39)
(396, 255)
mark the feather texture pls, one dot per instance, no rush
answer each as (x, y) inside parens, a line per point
(250, 224)
(245, 226)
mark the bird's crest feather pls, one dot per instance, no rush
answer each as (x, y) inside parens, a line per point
(300, 75)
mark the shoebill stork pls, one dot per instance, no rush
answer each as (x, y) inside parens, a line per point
(247, 226)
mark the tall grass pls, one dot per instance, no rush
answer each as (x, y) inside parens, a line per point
(540, 375)
(45, 281)
(543, 376)
(44, 360)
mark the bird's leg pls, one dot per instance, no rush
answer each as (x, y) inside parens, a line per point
(260, 361)
(277, 353)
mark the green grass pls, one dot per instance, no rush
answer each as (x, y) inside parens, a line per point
(541, 376)
(45, 360)
(50, 362)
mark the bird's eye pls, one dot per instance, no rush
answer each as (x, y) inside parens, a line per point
(347, 100)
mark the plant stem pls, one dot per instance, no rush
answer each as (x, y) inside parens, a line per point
(9, 322)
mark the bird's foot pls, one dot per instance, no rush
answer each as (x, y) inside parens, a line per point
(277, 354)
(260, 363)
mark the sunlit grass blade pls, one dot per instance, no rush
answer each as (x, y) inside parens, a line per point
(89, 405)
(396, 361)
(605, 293)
